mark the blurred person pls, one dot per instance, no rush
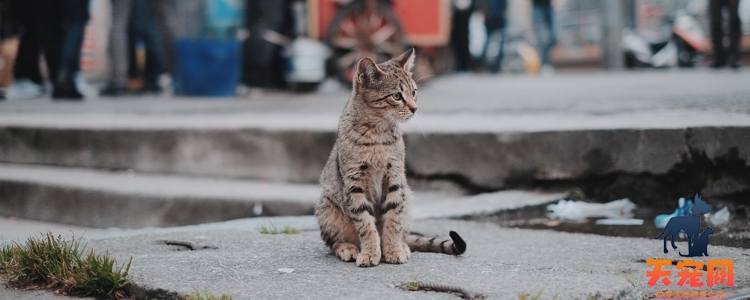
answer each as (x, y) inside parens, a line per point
(722, 55)
(118, 49)
(143, 28)
(543, 15)
(462, 10)
(261, 59)
(494, 24)
(55, 27)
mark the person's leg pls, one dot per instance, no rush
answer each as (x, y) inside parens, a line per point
(735, 33)
(547, 15)
(487, 41)
(118, 48)
(549, 19)
(148, 32)
(717, 32)
(75, 15)
(537, 14)
(29, 47)
(165, 14)
(460, 38)
(497, 67)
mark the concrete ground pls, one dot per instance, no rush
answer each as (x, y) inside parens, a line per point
(500, 263)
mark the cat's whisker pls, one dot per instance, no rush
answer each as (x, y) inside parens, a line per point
(424, 77)
(421, 129)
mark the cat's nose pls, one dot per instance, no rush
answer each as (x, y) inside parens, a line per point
(413, 109)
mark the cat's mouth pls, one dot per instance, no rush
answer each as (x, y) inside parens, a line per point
(405, 117)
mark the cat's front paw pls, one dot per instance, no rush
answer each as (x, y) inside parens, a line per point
(397, 255)
(365, 260)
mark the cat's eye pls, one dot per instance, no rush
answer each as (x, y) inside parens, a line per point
(398, 96)
(414, 93)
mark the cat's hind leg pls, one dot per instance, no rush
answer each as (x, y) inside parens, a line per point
(665, 243)
(337, 230)
(345, 251)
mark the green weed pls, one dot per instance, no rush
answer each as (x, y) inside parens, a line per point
(49, 262)
(272, 229)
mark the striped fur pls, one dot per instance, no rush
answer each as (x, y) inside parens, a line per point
(364, 212)
(456, 246)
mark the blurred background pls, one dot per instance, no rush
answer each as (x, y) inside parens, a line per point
(212, 47)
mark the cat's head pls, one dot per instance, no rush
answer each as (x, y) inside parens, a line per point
(387, 89)
(700, 206)
(708, 230)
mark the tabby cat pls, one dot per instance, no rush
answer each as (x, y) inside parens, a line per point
(364, 212)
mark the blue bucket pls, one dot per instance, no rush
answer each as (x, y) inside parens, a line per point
(207, 67)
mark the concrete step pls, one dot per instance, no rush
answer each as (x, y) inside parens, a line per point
(101, 199)
(475, 160)
(134, 200)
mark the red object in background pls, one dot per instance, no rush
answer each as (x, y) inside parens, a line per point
(425, 22)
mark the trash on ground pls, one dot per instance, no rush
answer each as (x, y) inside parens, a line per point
(683, 210)
(285, 270)
(578, 210)
(623, 222)
(720, 218)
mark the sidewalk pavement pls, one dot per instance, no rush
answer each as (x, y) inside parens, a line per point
(500, 263)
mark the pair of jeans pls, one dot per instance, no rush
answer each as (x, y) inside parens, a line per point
(119, 41)
(143, 27)
(717, 32)
(55, 27)
(544, 28)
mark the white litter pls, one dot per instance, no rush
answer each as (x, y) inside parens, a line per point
(578, 210)
(285, 270)
(720, 218)
(623, 222)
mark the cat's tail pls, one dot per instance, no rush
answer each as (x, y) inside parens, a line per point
(424, 244)
(683, 255)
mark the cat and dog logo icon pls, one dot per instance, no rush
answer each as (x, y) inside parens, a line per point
(691, 225)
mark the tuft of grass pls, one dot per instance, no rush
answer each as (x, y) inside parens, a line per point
(201, 296)
(49, 262)
(272, 229)
(526, 296)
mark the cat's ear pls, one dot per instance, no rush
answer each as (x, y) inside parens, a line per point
(367, 70)
(406, 60)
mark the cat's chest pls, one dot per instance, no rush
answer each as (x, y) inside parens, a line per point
(382, 164)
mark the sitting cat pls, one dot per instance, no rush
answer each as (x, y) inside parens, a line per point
(364, 211)
(700, 247)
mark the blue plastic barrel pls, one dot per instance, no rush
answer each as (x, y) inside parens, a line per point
(207, 67)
